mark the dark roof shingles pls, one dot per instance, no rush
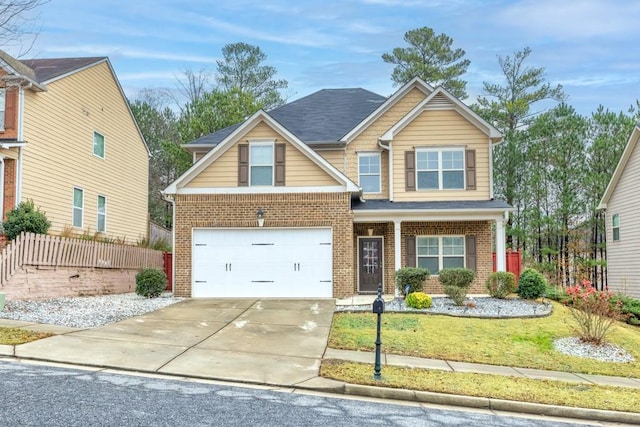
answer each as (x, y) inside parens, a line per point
(47, 69)
(323, 116)
(430, 205)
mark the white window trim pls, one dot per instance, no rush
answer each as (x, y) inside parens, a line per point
(98, 213)
(3, 107)
(104, 145)
(379, 156)
(440, 171)
(73, 210)
(440, 252)
(613, 227)
(273, 162)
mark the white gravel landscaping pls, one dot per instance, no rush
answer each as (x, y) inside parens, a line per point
(85, 312)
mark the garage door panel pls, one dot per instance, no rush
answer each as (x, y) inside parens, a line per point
(262, 263)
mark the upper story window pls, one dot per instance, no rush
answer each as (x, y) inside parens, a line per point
(98, 144)
(437, 252)
(102, 214)
(78, 206)
(369, 172)
(440, 169)
(3, 102)
(615, 226)
(261, 164)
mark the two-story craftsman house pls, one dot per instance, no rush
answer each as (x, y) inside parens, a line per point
(329, 195)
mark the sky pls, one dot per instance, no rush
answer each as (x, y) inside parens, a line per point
(590, 47)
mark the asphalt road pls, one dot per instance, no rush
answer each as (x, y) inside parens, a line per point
(37, 395)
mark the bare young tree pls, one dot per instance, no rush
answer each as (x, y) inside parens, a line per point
(18, 23)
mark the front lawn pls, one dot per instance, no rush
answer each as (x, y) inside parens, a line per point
(491, 386)
(14, 336)
(509, 342)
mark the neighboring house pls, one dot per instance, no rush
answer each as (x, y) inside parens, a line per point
(621, 202)
(69, 142)
(329, 195)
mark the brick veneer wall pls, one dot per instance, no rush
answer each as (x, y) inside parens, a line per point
(32, 282)
(484, 245)
(280, 210)
(9, 186)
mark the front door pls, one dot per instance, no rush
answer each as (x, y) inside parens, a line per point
(369, 264)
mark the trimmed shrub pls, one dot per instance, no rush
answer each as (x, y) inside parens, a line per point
(501, 283)
(150, 282)
(456, 282)
(412, 276)
(25, 217)
(531, 284)
(418, 300)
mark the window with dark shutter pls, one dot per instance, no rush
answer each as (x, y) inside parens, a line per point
(243, 165)
(410, 252)
(410, 170)
(470, 248)
(471, 169)
(279, 163)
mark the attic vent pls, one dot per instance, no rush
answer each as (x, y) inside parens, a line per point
(439, 101)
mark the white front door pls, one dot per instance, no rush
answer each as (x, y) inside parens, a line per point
(262, 262)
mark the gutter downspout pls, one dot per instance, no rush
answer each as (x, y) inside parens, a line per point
(389, 149)
(20, 138)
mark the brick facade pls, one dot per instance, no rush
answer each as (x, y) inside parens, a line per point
(281, 211)
(484, 245)
(9, 188)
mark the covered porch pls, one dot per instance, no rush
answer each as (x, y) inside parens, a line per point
(434, 235)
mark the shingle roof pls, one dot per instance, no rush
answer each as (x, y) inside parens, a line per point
(50, 68)
(323, 116)
(375, 205)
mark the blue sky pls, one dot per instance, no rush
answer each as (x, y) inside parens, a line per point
(588, 46)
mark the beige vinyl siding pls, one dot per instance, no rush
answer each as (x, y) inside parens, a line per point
(58, 128)
(368, 139)
(300, 171)
(623, 268)
(335, 157)
(441, 128)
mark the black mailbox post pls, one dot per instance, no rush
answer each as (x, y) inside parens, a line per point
(378, 308)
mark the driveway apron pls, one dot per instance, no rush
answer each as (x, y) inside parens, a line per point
(266, 341)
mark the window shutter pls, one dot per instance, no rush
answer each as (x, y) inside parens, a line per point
(10, 108)
(279, 164)
(471, 169)
(470, 248)
(243, 165)
(410, 253)
(410, 170)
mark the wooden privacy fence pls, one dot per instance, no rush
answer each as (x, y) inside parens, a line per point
(54, 251)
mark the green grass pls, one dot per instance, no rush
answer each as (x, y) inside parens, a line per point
(491, 386)
(14, 336)
(524, 343)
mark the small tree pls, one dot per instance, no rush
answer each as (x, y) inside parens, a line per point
(25, 217)
(456, 283)
(414, 277)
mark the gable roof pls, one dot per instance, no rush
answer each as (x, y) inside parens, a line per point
(622, 163)
(322, 117)
(441, 98)
(232, 138)
(51, 69)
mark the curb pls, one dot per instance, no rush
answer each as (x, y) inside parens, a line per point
(493, 404)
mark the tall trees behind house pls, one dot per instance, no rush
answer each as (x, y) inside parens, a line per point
(245, 86)
(431, 57)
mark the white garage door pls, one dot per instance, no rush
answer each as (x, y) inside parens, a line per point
(263, 262)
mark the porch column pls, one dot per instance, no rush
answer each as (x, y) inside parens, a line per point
(501, 256)
(397, 240)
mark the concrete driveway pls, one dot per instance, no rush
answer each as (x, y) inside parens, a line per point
(267, 341)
